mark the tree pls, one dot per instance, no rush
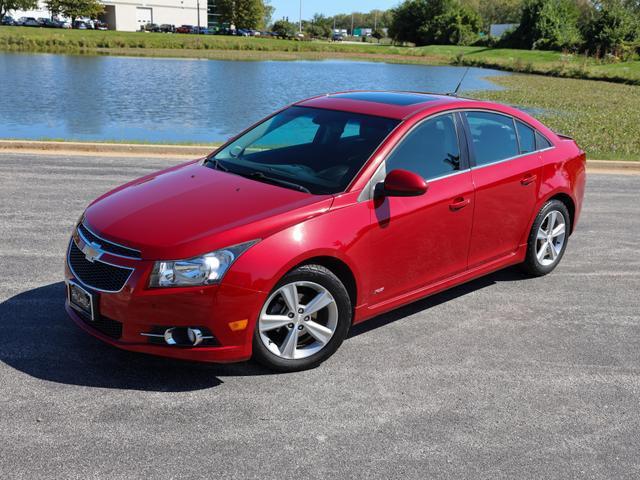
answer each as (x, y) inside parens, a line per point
(425, 22)
(318, 27)
(77, 8)
(267, 17)
(284, 28)
(547, 24)
(8, 5)
(614, 29)
(248, 14)
(496, 11)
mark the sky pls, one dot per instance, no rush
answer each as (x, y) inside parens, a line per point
(291, 8)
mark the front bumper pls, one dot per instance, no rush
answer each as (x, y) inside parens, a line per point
(142, 310)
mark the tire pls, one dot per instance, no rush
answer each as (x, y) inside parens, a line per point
(285, 340)
(539, 262)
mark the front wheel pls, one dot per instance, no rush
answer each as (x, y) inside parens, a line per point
(548, 238)
(304, 320)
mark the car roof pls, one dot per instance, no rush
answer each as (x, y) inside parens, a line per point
(391, 104)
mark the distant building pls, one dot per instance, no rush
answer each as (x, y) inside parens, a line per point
(132, 15)
(496, 30)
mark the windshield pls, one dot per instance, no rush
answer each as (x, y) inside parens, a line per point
(310, 149)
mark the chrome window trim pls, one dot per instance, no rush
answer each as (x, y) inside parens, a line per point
(84, 224)
(77, 278)
(367, 192)
(514, 119)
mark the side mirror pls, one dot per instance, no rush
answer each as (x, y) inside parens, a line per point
(403, 183)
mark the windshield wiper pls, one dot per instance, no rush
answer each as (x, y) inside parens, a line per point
(262, 177)
(217, 164)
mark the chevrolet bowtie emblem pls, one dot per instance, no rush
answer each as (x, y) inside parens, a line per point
(92, 251)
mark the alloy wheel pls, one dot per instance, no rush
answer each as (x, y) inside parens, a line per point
(550, 238)
(298, 320)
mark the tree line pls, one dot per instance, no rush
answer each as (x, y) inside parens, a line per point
(596, 27)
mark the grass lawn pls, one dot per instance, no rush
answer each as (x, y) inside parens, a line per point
(603, 117)
(26, 39)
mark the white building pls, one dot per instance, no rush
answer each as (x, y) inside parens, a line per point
(132, 15)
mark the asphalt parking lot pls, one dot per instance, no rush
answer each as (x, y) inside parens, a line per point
(505, 377)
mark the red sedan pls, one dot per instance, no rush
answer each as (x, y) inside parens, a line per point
(327, 213)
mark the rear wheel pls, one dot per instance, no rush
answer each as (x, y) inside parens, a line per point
(548, 238)
(304, 320)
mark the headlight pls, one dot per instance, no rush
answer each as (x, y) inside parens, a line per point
(204, 270)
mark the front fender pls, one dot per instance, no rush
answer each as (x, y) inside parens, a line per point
(340, 234)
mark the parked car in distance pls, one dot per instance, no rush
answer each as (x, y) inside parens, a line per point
(184, 29)
(167, 28)
(80, 25)
(28, 22)
(152, 27)
(7, 20)
(325, 214)
(337, 37)
(99, 25)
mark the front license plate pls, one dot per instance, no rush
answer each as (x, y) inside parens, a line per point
(80, 299)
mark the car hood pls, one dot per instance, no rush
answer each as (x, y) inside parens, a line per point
(191, 209)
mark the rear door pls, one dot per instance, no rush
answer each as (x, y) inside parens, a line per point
(506, 173)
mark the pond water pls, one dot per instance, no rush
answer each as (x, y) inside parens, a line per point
(175, 100)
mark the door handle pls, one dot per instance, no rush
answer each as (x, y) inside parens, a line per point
(528, 179)
(459, 203)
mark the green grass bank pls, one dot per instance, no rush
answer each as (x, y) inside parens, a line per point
(603, 117)
(25, 39)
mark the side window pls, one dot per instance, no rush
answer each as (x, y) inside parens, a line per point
(493, 136)
(527, 137)
(430, 150)
(542, 142)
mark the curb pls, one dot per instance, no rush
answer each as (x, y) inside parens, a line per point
(619, 165)
(116, 149)
(196, 151)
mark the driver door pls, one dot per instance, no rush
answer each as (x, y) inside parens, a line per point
(419, 241)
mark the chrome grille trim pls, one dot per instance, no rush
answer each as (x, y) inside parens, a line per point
(91, 287)
(106, 243)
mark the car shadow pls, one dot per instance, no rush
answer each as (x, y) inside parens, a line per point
(37, 338)
(507, 275)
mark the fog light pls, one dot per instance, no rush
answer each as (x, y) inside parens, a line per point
(180, 336)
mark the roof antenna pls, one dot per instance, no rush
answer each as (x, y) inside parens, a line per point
(455, 92)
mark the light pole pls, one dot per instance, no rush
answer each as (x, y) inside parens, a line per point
(198, 7)
(300, 18)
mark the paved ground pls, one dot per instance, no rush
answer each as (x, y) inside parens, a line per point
(506, 377)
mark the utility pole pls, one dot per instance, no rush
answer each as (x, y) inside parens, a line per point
(300, 18)
(352, 24)
(198, 7)
(375, 21)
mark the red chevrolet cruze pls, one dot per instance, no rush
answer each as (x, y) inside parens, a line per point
(327, 213)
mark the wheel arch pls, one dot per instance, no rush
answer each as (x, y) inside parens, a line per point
(569, 203)
(340, 269)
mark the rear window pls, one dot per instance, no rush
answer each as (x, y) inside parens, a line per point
(542, 142)
(526, 137)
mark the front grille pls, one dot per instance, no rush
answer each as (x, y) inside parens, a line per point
(108, 246)
(106, 326)
(97, 274)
